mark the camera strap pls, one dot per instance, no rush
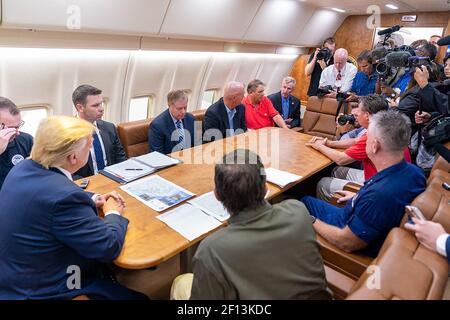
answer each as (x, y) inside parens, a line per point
(340, 104)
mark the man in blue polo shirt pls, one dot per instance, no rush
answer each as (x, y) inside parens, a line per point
(365, 221)
(15, 146)
(366, 79)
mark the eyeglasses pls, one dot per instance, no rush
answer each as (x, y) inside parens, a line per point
(4, 126)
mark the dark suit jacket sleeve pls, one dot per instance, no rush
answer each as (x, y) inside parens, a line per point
(119, 152)
(211, 121)
(76, 225)
(296, 116)
(155, 138)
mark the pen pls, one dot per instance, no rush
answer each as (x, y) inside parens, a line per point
(134, 169)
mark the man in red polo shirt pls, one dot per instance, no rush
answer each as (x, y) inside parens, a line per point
(259, 111)
(327, 186)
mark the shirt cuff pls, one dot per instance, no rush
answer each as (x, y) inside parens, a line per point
(440, 244)
(112, 212)
(94, 197)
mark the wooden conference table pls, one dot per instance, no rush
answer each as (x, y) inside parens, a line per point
(149, 241)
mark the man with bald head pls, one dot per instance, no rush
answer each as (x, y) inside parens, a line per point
(340, 75)
(226, 117)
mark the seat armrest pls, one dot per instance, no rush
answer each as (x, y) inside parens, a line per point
(298, 129)
(352, 187)
(350, 264)
(339, 283)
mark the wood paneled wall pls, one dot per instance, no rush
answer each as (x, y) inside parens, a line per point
(354, 35)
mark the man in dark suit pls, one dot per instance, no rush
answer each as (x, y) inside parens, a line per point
(226, 117)
(107, 148)
(286, 104)
(52, 242)
(173, 129)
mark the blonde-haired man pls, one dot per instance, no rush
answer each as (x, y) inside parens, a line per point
(52, 242)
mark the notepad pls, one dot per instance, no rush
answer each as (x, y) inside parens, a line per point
(137, 167)
(189, 221)
(280, 178)
(210, 205)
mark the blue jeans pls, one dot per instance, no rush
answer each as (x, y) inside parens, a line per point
(325, 212)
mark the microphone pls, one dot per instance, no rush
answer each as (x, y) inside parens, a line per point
(445, 41)
(398, 59)
(389, 30)
(443, 151)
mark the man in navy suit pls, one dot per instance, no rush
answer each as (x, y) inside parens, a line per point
(173, 129)
(432, 235)
(286, 104)
(226, 117)
(52, 242)
(107, 148)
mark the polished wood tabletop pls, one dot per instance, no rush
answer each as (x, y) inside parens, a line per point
(149, 241)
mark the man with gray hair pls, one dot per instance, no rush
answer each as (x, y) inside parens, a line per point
(340, 75)
(369, 215)
(15, 146)
(226, 117)
(286, 104)
(266, 251)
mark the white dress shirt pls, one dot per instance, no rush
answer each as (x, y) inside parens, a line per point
(440, 244)
(329, 77)
(94, 197)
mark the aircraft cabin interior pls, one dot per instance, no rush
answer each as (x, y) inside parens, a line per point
(224, 149)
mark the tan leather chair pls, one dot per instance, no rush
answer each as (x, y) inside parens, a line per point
(134, 137)
(319, 118)
(406, 271)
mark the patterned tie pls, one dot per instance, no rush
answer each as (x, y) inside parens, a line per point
(98, 152)
(339, 76)
(180, 132)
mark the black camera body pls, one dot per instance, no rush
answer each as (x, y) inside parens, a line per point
(346, 118)
(324, 54)
(322, 91)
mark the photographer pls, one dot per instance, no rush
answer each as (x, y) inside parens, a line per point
(366, 79)
(318, 61)
(340, 75)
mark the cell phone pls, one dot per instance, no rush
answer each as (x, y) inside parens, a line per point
(84, 183)
(414, 212)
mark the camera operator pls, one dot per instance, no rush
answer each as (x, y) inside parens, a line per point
(340, 75)
(366, 79)
(318, 61)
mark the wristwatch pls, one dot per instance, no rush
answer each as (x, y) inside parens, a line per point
(313, 219)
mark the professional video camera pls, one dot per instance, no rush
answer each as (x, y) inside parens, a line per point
(324, 54)
(346, 118)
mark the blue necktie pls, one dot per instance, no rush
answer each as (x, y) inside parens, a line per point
(98, 152)
(285, 108)
(180, 132)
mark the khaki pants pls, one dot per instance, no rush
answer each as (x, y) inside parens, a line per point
(340, 176)
(181, 287)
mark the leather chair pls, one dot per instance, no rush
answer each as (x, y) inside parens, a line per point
(319, 118)
(134, 137)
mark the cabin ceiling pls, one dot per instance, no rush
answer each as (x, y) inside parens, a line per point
(281, 22)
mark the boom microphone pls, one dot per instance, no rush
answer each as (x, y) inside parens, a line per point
(389, 30)
(445, 41)
(398, 59)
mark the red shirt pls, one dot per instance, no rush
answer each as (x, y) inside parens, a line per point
(358, 152)
(261, 116)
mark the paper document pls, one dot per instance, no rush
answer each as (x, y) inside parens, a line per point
(280, 178)
(157, 193)
(189, 221)
(141, 166)
(210, 205)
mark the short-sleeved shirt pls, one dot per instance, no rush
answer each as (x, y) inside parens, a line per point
(16, 151)
(260, 116)
(364, 85)
(380, 204)
(358, 153)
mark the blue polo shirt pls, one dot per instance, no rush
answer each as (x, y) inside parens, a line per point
(16, 151)
(380, 204)
(364, 85)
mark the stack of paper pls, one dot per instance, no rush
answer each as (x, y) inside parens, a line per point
(135, 168)
(189, 221)
(280, 178)
(210, 205)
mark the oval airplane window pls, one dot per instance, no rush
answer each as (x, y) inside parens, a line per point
(208, 98)
(32, 116)
(140, 107)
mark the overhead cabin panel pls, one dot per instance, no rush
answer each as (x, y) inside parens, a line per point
(323, 24)
(279, 21)
(109, 16)
(216, 19)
